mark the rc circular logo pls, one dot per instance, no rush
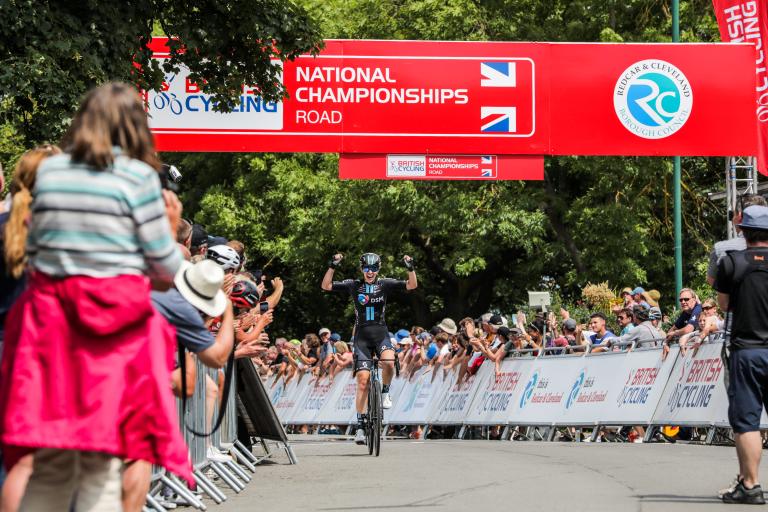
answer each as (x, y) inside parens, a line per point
(528, 392)
(362, 299)
(653, 99)
(575, 390)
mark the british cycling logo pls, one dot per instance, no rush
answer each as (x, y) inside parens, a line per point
(362, 299)
(529, 388)
(575, 390)
(652, 99)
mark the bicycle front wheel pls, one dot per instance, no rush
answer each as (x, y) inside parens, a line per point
(369, 428)
(378, 420)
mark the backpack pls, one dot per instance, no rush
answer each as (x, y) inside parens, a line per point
(746, 264)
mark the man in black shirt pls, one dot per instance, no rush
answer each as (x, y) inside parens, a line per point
(742, 290)
(369, 296)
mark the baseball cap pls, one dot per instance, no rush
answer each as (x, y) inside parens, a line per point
(448, 326)
(755, 217)
(335, 336)
(402, 334)
(638, 291)
(216, 240)
(322, 331)
(295, 342)
(514, 331)
(570, 324)
(199, 235)
(626, 290)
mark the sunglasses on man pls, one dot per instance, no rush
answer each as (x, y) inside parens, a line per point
(372, 268)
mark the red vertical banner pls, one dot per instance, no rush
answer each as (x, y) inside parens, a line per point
(746, 21)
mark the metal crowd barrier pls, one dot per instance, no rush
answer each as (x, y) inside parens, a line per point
(539, 391)
(236, 460)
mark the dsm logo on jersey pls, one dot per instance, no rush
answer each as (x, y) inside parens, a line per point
(363, 299)
(653, 99)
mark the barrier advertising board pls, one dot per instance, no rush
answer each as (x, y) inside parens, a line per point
(458, 398)
(498, 98)
(695, 392)
(339, 406)
(498, 393)
(638, 387)
(309, 407)
(420, 396)
(546, 390)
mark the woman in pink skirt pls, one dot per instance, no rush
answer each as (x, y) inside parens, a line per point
(86, 364)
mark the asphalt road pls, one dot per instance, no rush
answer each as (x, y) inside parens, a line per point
(492, 475)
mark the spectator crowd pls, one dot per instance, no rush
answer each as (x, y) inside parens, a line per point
(102, 276)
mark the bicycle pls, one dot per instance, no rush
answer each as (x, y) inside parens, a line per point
(373, 427)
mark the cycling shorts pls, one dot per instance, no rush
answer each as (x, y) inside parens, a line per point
(370, 340)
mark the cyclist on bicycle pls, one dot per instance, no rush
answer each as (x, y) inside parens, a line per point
(370, 332)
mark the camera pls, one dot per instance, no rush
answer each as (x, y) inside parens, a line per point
(170, 177)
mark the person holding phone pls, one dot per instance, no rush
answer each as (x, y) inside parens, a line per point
(371, 334)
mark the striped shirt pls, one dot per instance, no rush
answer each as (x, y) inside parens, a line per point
(100, 223)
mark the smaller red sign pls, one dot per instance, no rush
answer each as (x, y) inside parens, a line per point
(440, 167)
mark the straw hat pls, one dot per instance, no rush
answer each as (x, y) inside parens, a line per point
(200, 284)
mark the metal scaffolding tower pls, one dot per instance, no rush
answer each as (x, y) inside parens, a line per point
(740, 179)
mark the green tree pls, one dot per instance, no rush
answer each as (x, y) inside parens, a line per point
(53, 51)
(478, 246)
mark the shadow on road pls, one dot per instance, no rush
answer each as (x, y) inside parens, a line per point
(678, 498)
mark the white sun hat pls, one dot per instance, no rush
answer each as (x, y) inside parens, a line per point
(200, 284)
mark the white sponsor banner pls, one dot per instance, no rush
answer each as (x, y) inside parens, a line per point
(457, 400)
(496, 397)
(275, 388)
(420, 396)
(544, 393)
(285, 404)
(396, 388)
(639, 387)
(339, 408)
(695, 392)
(308, 409)
(588, 397)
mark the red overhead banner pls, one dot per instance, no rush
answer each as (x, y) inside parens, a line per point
(747, 22)
(426, 97)
(440, 167)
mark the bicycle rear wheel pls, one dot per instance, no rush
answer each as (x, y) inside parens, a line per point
(377, 421)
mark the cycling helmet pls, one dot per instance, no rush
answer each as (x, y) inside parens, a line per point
(225, 256)
(244, 295)
(370, 260)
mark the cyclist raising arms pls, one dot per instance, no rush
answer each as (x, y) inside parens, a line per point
(371, 334)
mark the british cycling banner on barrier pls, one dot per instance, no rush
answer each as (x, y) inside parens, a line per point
(481, 98)
(638, 387)
(309, 407)
(695, 393)
(746, 21)
(457, 400)
(497, 392)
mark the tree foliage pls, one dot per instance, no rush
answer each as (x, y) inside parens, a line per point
(53, 51)
(478, 246)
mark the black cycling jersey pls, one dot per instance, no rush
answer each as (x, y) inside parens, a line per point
(370, 299)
